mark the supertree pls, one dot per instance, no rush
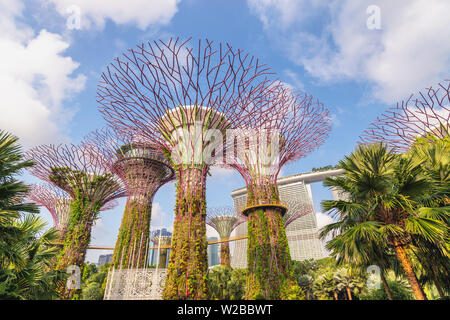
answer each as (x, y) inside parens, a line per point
(89, 184)
(296, 209)
(427, 113)
(182, 96)
(298, 126)
(143, 169)
(57, 202)
(224, 221)
(163, 243)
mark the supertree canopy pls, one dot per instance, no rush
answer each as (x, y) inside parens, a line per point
(182, 96)
(298, 126)
(57, 202)
(163, 244)
(427, 113)
(143, 169)
(296, 209)
(224, 221)
(89, 184)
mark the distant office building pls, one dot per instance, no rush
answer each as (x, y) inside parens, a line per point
(161, 232)
(213, 253)
(302, 233)
(104, 259)
(153, 254)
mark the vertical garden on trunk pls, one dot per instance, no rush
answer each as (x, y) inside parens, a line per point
(142, 169)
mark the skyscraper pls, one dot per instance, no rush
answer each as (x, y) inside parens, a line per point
(213, 253)
(153, 255)
(103, 259)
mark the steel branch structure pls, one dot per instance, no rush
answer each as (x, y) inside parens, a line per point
(297, 209)
(420, 115)
(57, 202)
(182, 96)
(223, 220)
(143, 169)
(293, 125)
(89, 184)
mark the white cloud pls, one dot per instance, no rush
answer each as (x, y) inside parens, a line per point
(409, 53)
(35, 78)
(323, 220)
(285, 12)
(141, 13)
(294, 80)
(98, 223)
(157, 214)
(335, 120)
(221, 172)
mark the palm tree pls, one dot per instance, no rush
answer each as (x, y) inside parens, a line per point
(25, 248)
(27, 277)
(12, 192)
(386, 193)
(360, 254)
(433, 154)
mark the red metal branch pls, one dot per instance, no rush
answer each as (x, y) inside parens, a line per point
(425, 113)
(79, 170)
(141, 166)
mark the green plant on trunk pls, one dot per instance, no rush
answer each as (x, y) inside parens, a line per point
(188, 264)
(133, 235)
(268, 257)
(224, 221)
(89, 193)
(190, 156)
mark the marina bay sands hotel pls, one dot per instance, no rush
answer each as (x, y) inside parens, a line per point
(302, 233)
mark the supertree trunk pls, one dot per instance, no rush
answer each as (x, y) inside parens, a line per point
(134, 234)
(188, 264)
(225, 255)
(76, 241)
(162, 258)
(268, 256)
(142, 169)
(293, 126)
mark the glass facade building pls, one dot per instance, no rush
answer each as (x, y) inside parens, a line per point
(213, 253)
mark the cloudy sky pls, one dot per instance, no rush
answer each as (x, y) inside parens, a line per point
(357, 57)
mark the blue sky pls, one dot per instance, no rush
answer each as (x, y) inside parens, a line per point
(356, 59)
